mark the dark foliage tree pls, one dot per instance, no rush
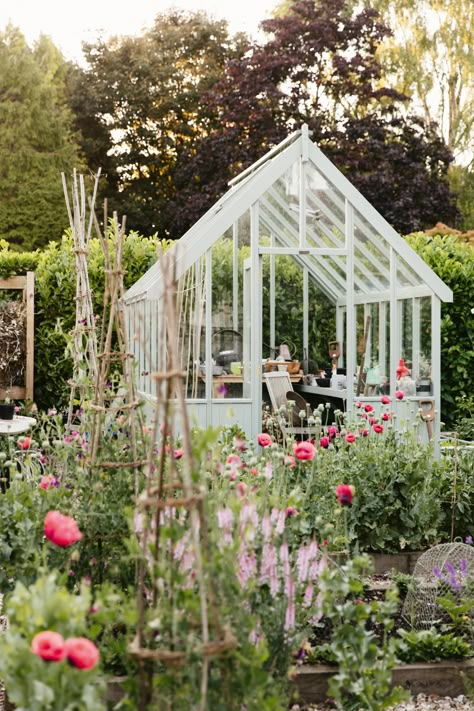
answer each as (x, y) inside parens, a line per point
(36, 141)
(319, 66)
(139, 106)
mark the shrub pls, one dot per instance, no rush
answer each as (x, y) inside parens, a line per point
(453, 262)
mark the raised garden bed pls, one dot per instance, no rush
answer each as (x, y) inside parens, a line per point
(440, 678)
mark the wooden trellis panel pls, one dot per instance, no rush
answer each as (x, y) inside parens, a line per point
(27, 285)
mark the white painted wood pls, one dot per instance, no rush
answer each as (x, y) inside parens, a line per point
(272, 293)
(305, 311)
(394, 332)
(340, 336)
(208, 319)
(264, 159)
(406, 292)
(256, 316)
(416, 337)
(235, 276)
(383, 338)
(350, 320)
(436, 368)
(315, 252)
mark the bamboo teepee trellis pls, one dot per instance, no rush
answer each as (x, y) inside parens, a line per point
(84, 348)
(173, 489)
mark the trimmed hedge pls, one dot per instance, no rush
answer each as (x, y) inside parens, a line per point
(54, 267)
(453, 262)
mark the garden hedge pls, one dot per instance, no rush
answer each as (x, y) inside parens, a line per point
(452, 260)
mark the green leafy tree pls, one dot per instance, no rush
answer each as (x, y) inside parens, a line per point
(36, 141)
(429, 56)
(139, 105)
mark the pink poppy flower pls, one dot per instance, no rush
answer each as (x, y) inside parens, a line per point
(368, 408)
(81, 653)
(324, 442)
(290, 511)
(61, 530)
(372, 420)
(378, 428)
(264, 439)
(24, 443)
(386, 416)
(364, 433)
(358, 403)
(289, 461)
(332, 431)
(350, 437)
(385, 399)
(178, 453)
(399, 394)
(47, 481)
(242, 488)
(344, 494)
(49, 646)
(304, 450)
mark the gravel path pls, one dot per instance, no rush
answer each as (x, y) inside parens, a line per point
(420, 703)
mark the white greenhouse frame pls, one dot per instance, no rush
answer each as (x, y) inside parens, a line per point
(336, 237)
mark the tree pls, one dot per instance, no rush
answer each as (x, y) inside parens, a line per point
(36, 141)
(430, 58)
(139, 106)
(318, 65)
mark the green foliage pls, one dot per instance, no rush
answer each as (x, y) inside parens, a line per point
(459, 505)
(431, 646)
(36, 142)
(33, 683)
(453, 262)
(365, 669)
(55, 306)
(17, 263)
(461, 180)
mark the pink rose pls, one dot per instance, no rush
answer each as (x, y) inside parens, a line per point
(61, 530)
(49, 646)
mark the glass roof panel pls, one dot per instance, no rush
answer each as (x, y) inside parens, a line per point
(324, 211)
(406, 275)
(279, 208)
(371, 256)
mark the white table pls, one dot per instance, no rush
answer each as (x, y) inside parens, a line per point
(17, 426)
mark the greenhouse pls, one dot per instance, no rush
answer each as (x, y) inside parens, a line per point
(293, 270)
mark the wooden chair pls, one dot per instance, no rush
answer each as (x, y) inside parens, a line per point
(281, 392)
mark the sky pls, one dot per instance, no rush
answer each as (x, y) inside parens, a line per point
(70, 23)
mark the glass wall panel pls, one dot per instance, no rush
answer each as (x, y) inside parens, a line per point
(371, 257)
(325, 211)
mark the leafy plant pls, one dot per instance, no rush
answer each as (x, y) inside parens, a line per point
(364, 668)
(431, 646)
(31, 682)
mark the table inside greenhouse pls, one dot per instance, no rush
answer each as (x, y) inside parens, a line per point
(219, 382)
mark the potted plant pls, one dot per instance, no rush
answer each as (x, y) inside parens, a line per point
(7, 407)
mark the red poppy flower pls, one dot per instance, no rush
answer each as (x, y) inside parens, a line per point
(290, 511)
(332, 431)
(242, 488)
(364, 433)
(82, 653)
(61, 530)
(344, 494)
(399, 394)
(385, 399)
(350, 437)
(372, 420)
(264, 439)
(386, 416)
(49, 646)
(368, 408)
(324, 442)
(378, 428)
(178, 453)
(304, 450)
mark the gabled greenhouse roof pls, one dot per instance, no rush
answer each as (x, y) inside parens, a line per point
(333, 214)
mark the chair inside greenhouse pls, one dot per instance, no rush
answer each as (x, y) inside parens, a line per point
(294, 256)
